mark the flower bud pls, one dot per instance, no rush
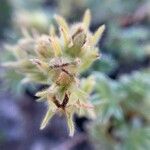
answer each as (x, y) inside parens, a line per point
(64, 78)
(43, 48)
(79, 38)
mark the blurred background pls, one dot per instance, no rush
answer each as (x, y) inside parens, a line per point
(124, 68)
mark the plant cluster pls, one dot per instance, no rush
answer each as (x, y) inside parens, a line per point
(60, 58)
(57, 60)
(123, 110)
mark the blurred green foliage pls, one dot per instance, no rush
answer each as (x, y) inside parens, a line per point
(128, 43)
(5, 16)
(122, 108)
(106, 64)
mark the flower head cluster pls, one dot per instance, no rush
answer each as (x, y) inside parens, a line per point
(57, 61)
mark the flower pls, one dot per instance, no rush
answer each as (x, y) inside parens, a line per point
(58, 60)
